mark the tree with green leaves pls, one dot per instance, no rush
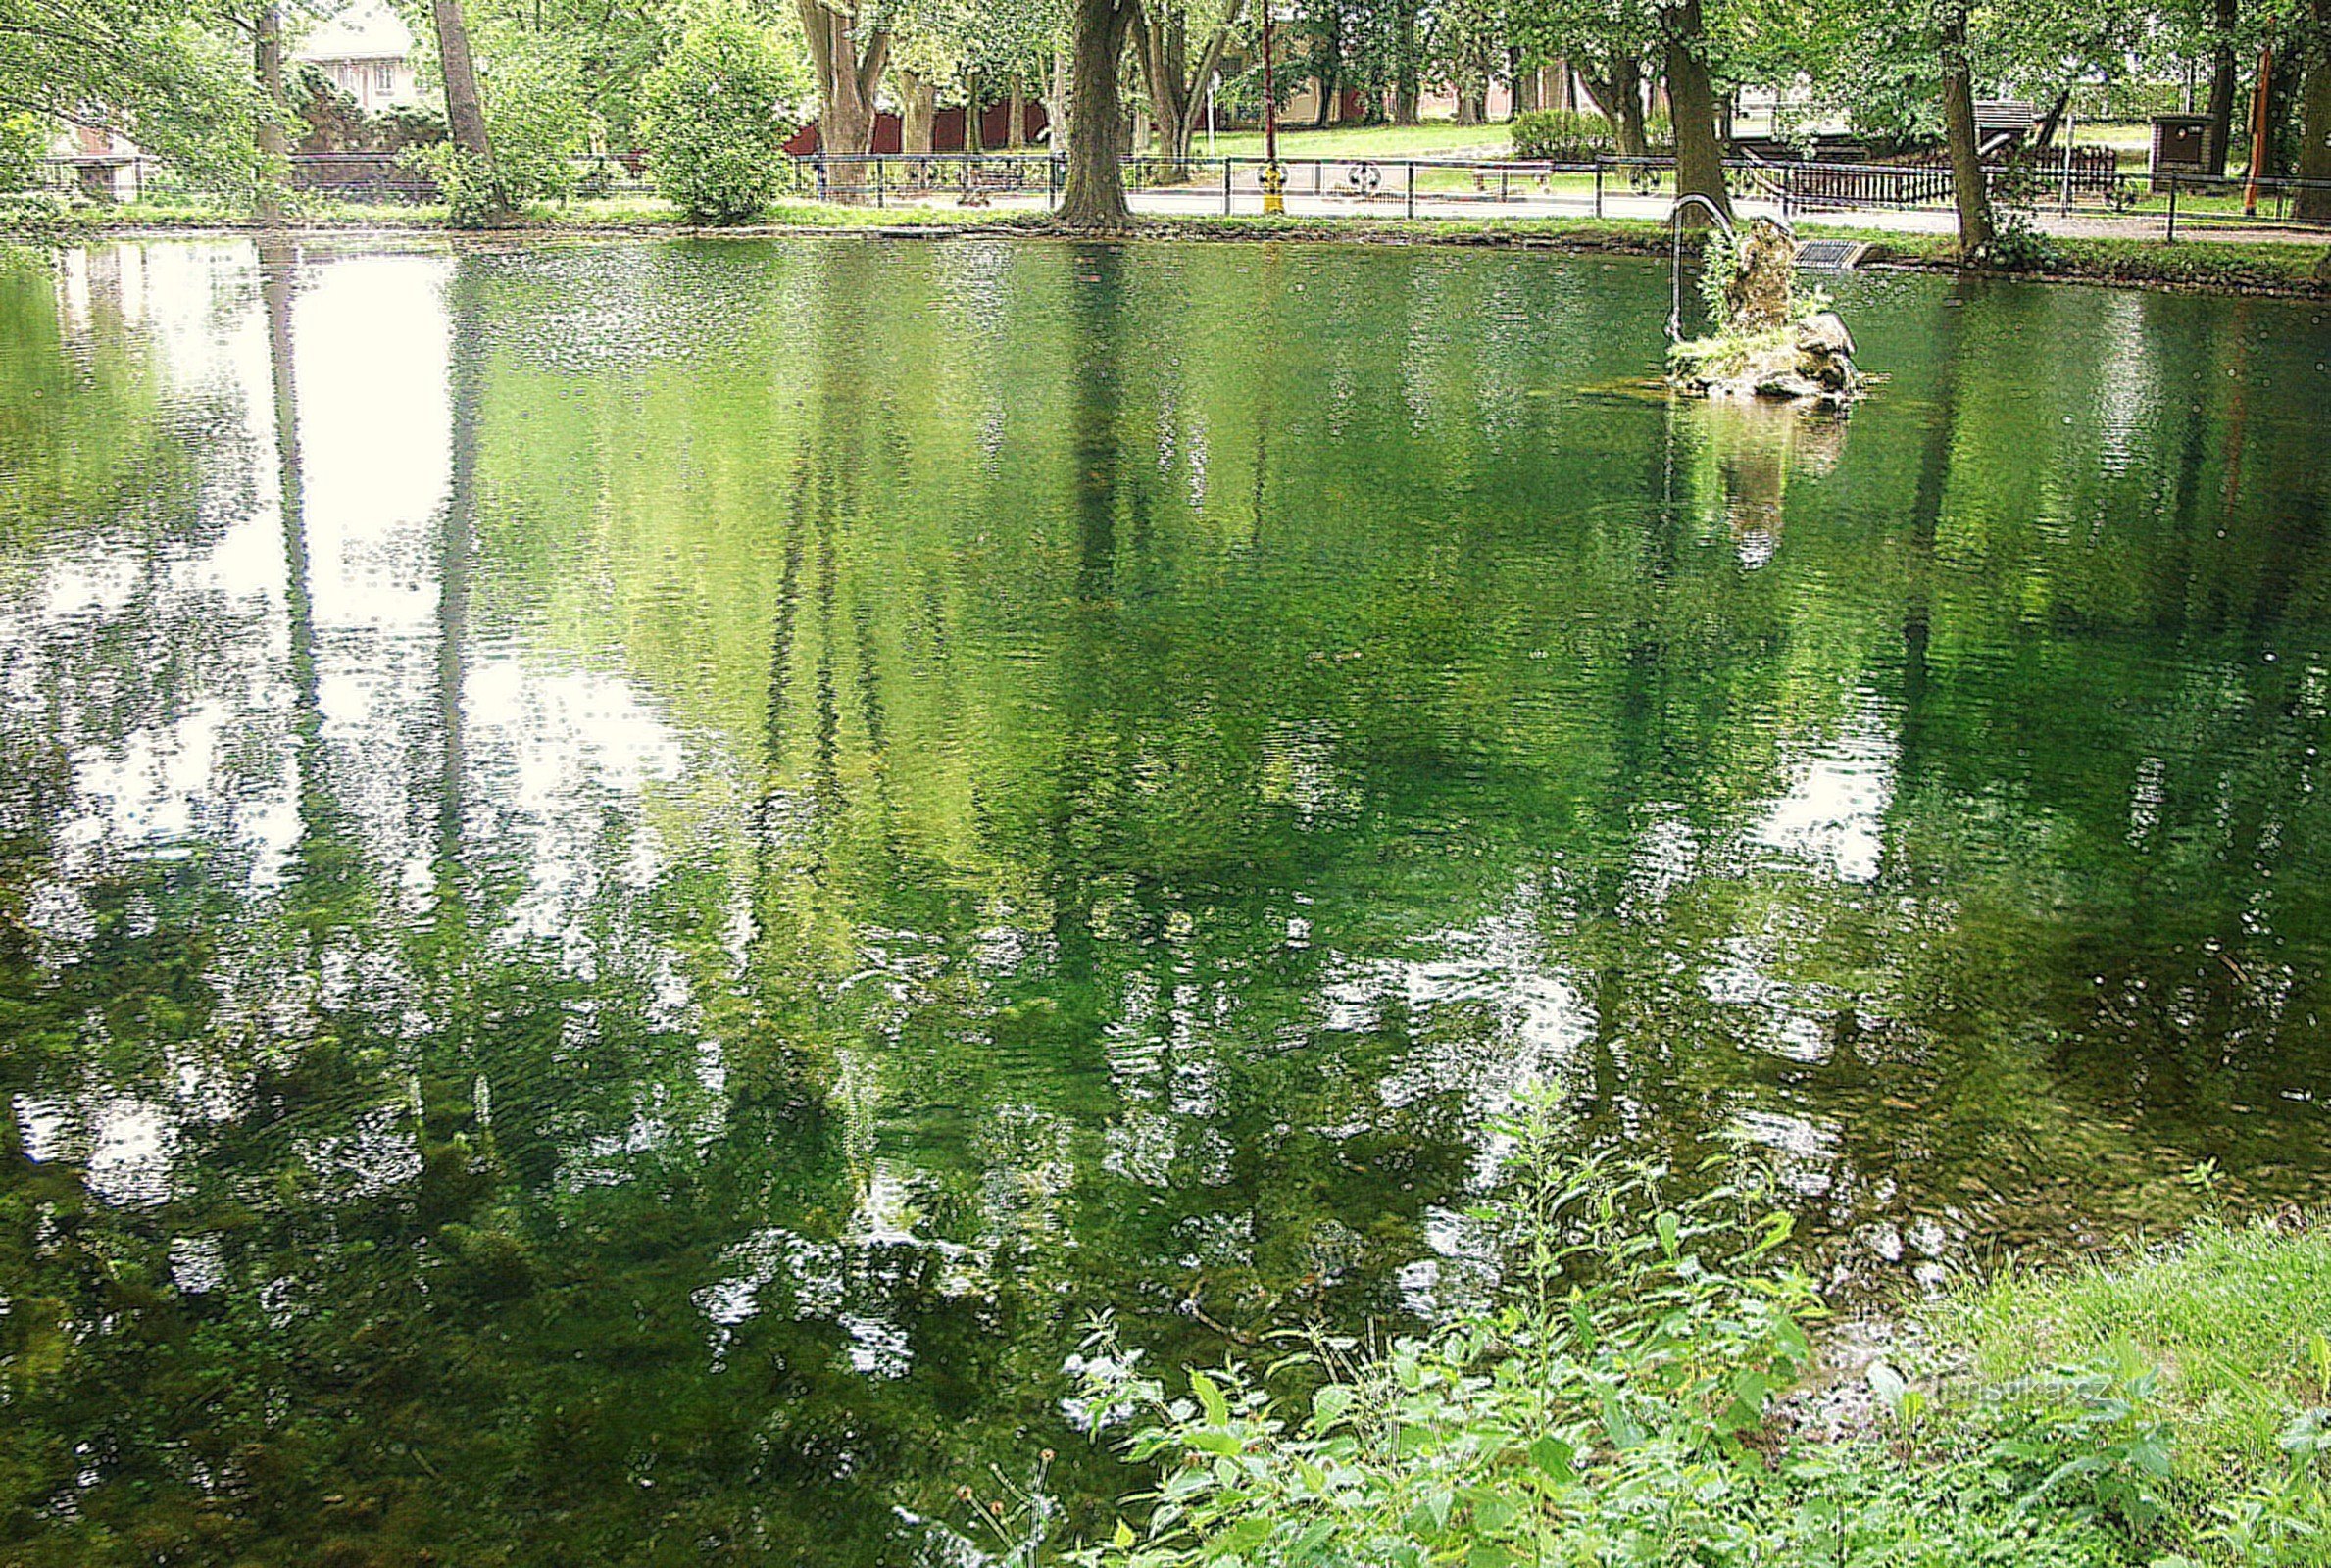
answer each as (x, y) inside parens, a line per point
(180, 80)
(1179, 45)
(716, 113)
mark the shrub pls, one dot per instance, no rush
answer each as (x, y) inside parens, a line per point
(715, 112)
(538, 124)
(1564, 136)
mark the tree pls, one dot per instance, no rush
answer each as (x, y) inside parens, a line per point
(1971, 185)
(2313, 201)
(1605, 45)
(716, 113)
(848, 54)
(177, 78)
(1465, 43)
(465, 104)
(275, 144)
(1692, 103)
(1176, 82)
(1609, 42)
(1095, 194)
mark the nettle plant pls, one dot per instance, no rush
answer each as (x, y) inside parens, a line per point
(1604, 1410)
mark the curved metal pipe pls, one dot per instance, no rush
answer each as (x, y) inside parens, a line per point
(1675, 267)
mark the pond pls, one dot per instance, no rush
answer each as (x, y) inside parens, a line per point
(634, 878)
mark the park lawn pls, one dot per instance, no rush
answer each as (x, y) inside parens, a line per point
(1435, 138)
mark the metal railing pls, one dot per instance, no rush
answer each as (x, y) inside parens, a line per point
(2170, 203)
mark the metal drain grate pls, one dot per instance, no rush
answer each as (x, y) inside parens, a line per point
(1828, 255)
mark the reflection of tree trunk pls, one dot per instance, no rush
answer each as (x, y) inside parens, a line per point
(1095, 391)
(1094, 197)
(1691, 99)
(455, 544)
(1969, 187)
(2223, 66)
(1917, 624)
(321, 842)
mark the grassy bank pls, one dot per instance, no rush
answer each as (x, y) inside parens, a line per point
(1646, 1391)
(2256, 267)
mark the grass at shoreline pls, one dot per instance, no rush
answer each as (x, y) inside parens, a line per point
(2236, 1323)
(1620, 1402)
(2212, 265)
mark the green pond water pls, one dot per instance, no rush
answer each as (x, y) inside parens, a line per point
(633, 878)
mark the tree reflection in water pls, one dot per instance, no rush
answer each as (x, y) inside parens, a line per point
(634, 877)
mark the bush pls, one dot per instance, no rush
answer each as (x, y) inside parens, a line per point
(1563, 135)
(538, 124)
(715, 112)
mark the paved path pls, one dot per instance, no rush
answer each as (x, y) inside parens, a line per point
(1246, 196)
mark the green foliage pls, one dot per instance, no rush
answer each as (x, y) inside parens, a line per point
(717, 112)
(2017, 244)
(538, 124)
(23, 141)
(1566, 135)
(1615, 1408)
(2219, 1339)
(177, 74)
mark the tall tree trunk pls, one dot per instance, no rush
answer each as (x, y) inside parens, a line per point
(2053, 120)
(1691, 101)
(974, 130)
(2223, 70)
(919, 108)
(846, 69)
(1526, 95)
(1176, 89)
(1095, 196)
(465, 106)
(2313, 204)
(1016, 139)
(1056, 103)
(1970, 186)
(1618, 98)
(274, 146)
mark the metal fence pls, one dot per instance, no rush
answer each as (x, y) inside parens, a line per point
(2169, 204)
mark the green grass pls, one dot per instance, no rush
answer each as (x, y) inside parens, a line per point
(2231, 1317)
(1437, 139)
(1617, 1402)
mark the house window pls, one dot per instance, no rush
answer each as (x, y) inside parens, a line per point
(384, 77)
